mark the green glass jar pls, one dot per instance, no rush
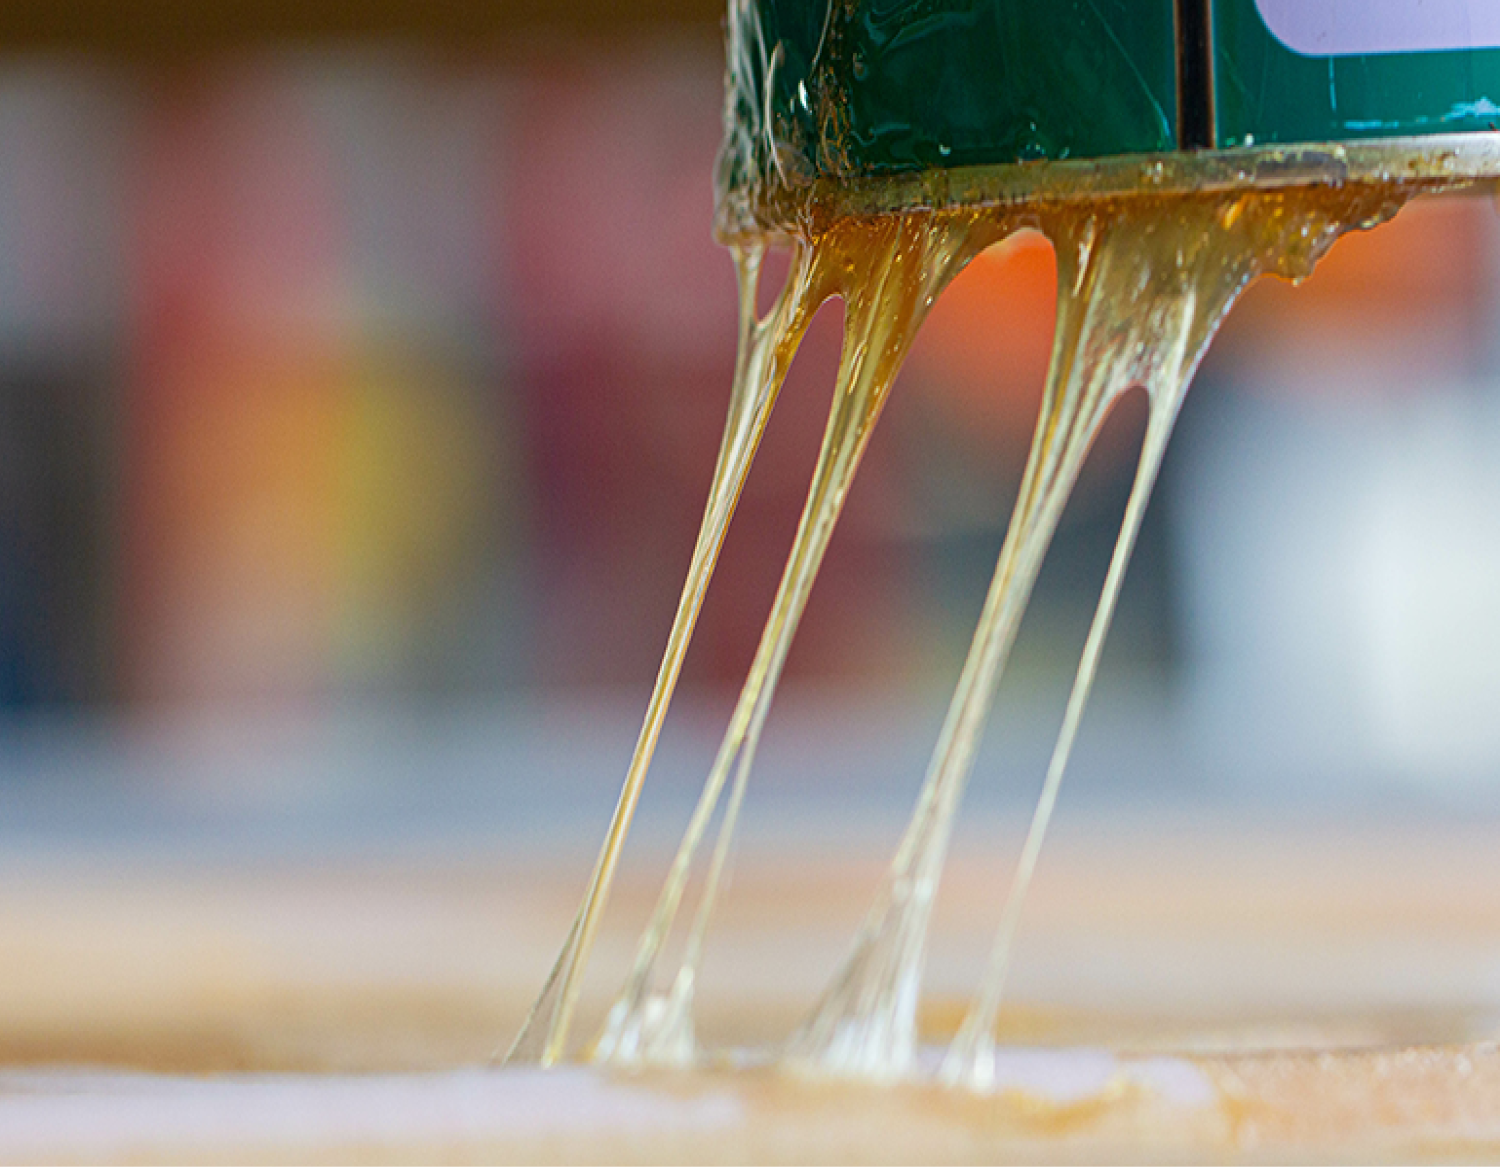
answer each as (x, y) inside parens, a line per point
(868, 95)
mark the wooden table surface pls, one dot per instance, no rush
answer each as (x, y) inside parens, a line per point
(1185, 988)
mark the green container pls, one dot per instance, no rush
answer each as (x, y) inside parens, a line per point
(858, 89)
(1290, 71)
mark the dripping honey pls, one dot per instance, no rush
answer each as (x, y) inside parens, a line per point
(1145, 277)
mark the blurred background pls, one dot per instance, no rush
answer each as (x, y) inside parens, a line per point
(361, 372)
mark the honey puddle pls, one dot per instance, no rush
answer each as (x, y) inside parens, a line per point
(1143, 282)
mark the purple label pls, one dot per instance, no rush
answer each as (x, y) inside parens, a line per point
(1342, 28)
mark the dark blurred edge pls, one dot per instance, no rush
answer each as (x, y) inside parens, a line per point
(156, 27)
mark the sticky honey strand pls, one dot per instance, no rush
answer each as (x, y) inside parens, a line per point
(766, 347)
(1144, 281)
(888, 272)
(1142, 286)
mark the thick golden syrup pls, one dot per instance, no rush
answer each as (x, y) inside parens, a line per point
(1142, 286)
(766, 347)
(1143, 282)
(888, 273)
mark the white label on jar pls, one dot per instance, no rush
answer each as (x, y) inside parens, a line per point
(1341, 28)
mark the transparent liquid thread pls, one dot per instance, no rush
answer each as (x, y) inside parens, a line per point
(766, 347)
(888, 273)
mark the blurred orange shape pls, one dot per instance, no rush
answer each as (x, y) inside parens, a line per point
(984, 350)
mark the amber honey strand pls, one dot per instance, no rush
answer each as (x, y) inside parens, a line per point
(1170, 274)
(886, 271)
(864, 1025)
(764, 353)
(890, 321)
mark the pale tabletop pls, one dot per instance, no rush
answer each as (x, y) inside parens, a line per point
(1203, 982)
